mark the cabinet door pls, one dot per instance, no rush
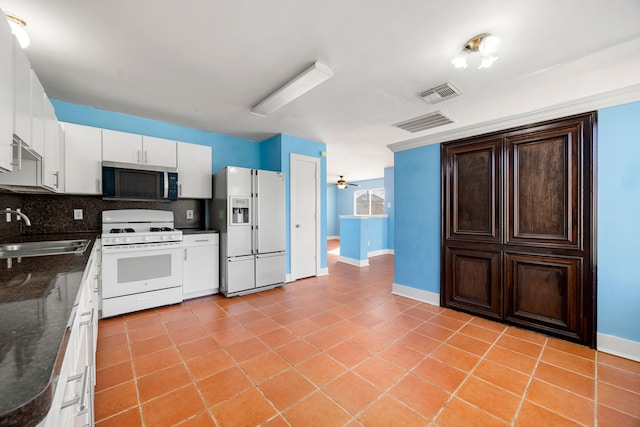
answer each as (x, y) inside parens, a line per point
(474, 281)
(82, 159)
(6, 95)
(52, 149)
(121, 146)
(472, 191)
(200, 270)
(37, 115)
(21, 94)
(194, 171)
(158, 152)
(544, 293)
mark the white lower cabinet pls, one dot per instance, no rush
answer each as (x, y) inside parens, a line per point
(200, 274)
(72, 403)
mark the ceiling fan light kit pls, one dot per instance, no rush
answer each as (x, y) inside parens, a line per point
(18, 29)
(299, 85)
(342, 184)
(485, 44)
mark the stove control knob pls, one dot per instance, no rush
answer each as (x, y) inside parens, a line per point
(127, 239)
(165, 237)
(116, 240)
(146, 238)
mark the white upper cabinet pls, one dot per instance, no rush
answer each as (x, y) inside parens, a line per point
(82, 159)
(194, 171)
(53, 153)
(6, 95)
(21, 95)
(133, 148)
(159, 151)
(37, 115)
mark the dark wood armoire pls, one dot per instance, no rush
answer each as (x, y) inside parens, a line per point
(518, 227)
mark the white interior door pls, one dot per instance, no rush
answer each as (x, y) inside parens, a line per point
(305, 216)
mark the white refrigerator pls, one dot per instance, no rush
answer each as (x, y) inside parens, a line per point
(248, 209)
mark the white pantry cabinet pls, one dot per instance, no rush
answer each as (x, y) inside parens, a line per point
(137, 149)
(200, 267)
(82, 159)
(6, 95)
(194, 171)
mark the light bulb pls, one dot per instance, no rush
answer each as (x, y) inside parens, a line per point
(487, 61)
(489, 45)
(460, 61)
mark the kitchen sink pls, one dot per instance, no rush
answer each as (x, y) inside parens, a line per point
(47, 247)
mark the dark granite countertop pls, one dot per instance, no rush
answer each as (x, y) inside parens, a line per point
(37, 295)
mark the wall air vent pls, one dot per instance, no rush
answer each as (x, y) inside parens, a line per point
(440, 93)
(425, 122)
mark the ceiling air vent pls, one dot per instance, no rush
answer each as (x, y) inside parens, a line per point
(425, 122)
(440, 93)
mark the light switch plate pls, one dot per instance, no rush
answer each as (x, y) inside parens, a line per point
(77, 214)
(189, 213)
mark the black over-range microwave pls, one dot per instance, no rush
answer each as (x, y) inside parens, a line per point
(124, 181)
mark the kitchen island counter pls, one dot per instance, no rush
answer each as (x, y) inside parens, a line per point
(37, 298)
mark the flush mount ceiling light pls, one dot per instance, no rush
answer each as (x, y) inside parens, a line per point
(299, 85)
(17, 28)
(485, 44)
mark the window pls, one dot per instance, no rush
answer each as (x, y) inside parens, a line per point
(368, 202)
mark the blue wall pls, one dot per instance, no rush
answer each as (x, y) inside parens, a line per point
(618, 216)
(389, 204)
(225, 150)
(417, 218)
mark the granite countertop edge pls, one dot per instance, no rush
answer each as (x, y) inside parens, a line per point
(37, 404)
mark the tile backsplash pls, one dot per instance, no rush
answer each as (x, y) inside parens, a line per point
(54, 213)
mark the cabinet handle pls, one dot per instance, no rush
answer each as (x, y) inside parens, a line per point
(83, 397)
(57, 175)
(146, 156)
(138, 156)
(90, 321)
(75, 399)
(185, 254)
(180, 189)
(98, 186)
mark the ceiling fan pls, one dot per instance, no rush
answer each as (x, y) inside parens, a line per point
(342, 184)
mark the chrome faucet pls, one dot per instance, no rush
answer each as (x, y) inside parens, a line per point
(27, 222)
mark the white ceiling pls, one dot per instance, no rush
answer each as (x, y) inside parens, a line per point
(205, 63)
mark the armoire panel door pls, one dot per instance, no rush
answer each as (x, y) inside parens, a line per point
(472, 191)
(475, 280)
(544, 293)
(544, 180)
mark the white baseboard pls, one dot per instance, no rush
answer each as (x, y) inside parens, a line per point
(288, 278)
(352, 261)
(416, 294)
(323, 271)
(619, 346)
(380, 252)
(333, 237)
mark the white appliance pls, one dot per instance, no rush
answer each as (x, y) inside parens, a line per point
(248, 209)
(141, 260)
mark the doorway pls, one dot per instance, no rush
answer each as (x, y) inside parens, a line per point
(305, 216)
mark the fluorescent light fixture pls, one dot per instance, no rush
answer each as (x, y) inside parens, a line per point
(17, 28)
(299, 85)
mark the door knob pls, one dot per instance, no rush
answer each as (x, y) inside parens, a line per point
(298, 225)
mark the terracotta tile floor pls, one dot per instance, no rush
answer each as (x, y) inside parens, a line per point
(340, 350)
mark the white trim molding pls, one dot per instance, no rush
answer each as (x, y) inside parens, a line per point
(288, 278)
(416, 294)
(618, 346)
(352, 261)
(380, 252)
(333, 237)
(323, 271)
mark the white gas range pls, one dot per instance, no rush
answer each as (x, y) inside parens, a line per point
(141, 260)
